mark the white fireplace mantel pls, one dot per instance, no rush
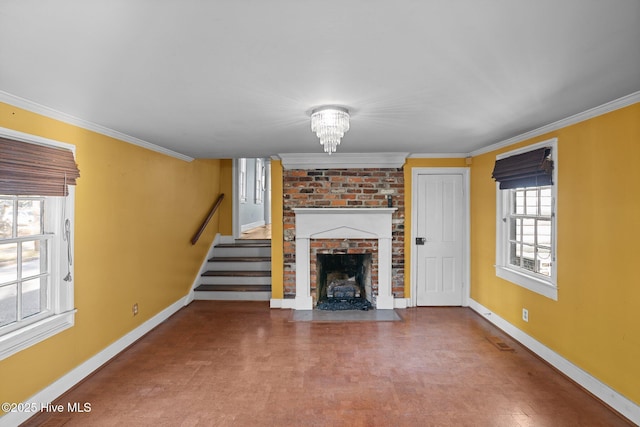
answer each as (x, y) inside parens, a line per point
(343, 223)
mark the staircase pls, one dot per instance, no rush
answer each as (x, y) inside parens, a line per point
(237, 270)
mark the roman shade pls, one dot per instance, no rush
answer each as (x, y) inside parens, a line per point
(31, 169)
(531, 169)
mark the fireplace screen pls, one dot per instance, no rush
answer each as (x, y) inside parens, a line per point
(343, 281)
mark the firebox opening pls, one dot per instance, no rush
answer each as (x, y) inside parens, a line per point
(344, 281)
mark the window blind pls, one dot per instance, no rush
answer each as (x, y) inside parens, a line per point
(31, 169)
(531, 169)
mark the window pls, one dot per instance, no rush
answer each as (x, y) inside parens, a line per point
(36, 241)
(24, 275)
(526, 220)
(260, 179)
(242, 180)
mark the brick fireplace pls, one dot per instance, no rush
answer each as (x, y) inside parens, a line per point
(343, 182)
(337, 230)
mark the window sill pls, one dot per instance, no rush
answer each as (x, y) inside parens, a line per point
(539, 286)
(18, 340)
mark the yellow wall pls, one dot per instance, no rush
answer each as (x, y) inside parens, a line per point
(277, 237)
(594, 323)
(136, 211)
(225, 212)
(408, 170)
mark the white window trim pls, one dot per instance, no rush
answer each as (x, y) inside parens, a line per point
(62, 293)
(242, 178)
(531, 281)
(259, 190)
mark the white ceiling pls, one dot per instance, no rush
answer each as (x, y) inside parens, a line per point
(231, 78)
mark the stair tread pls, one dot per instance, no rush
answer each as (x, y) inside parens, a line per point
(240, 259)
(246, 273)
(243, 245)
(234, 288)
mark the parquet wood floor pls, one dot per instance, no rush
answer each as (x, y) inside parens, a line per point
(217, 363)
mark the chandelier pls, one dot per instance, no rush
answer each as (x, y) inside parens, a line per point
(330, 123)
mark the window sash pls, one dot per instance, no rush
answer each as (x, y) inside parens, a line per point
(22, 319)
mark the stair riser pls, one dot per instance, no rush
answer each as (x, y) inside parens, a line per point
(239, 266)
(232, 296)
(233, 280)
(244, 252)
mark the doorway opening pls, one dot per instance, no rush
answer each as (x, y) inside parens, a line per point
(252, 201)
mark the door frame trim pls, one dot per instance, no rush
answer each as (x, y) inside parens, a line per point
(466, 227)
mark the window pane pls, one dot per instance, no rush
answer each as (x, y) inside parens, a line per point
(34, 259)
(8, 262)
(6, 219)
(514, 254)
(544, 261)
(544, 232)
(515, 229)
(8, 304)
(532, 202)
(528, 230)
(33, 296)
(545, 201)
(29, 217)
(528, 256)
(519, 202)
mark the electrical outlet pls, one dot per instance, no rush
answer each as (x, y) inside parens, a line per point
(135, 309)
(525, 314)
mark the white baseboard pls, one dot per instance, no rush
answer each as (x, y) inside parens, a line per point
(251, 225)
(59, 387)
(401, 302)
(282, 303)
(615, 400)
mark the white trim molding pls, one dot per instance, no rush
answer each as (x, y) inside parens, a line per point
(341, 160)
(282, 303)
(611, 397)
(437, 155)
(62, 385)
(34, 107)
(251, 225)
(616, 104)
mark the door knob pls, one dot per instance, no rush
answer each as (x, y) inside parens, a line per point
(420, 240)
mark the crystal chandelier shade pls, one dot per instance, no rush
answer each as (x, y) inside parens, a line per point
(330, 124)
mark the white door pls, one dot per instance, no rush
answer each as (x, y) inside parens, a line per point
(439, 240)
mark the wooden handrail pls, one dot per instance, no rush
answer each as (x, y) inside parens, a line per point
(206, 221)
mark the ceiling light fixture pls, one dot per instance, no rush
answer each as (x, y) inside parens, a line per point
(330, 123)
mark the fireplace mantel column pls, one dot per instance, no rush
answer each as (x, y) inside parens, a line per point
(385, 295)
(303, 299)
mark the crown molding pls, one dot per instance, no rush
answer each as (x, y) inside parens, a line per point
(438, 155)
(34, 107)
(616, 104)
(341, 160)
